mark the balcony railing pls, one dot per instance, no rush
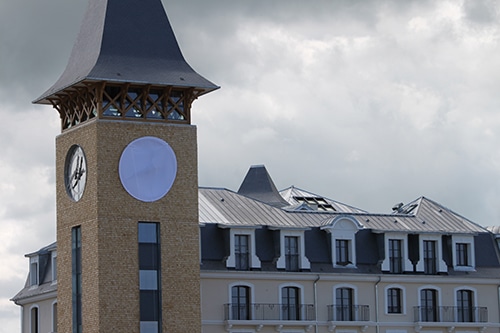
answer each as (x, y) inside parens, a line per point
(474, 314)
(260, 311)
(348, 313)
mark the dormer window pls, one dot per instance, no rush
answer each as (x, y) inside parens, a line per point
(242, 250)
(343, 231)
(396, 254)
(463, 253)
(431, 255)
(34, 271)
(292, 249)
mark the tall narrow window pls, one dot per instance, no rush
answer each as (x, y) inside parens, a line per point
(241, 251)
(394, 304)
(344, 304)
(240, 303)
(428, 305)
(430, 258)
(290, 305)
(395, 256)
(291, 253)
(34, 271)
(462, 250)
(76, 269)
(34, 320)
(149, 278)
(54, 317)
(54, 266)
(342, 252)
(465, 313)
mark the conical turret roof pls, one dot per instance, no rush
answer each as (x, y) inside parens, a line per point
(127, 41)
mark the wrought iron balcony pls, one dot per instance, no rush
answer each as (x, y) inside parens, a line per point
(260, 311)
(348, 313)
(474, 314)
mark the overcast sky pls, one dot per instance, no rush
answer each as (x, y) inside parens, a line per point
(367, 102)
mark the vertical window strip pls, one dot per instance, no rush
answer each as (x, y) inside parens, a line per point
(76, 268)
(149, 277)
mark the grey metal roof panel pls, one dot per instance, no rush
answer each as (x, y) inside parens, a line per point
(127, 41)
(229, 208)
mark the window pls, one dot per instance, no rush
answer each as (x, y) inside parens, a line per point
(394, 300)
(241, 252)
(34, 320)
(462, 250)
(342, 252)
(344, 304)
(76, 275)
(428, 305)
(430, 257)
(240, 303)
(149, 277)
(33, 271)
(395, 256)
(54, 317)
(54, 266)
(291, 253)
(343, 231)
(465, 313)
(290, 304)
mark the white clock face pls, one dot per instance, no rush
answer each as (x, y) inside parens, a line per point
(75, 172)
(147, 168)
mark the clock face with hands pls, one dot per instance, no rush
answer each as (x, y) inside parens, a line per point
(75, 172)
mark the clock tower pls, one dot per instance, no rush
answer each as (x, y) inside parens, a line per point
(126, 168)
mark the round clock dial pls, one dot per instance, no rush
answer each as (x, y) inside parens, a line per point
(75, 172)
(147, 168)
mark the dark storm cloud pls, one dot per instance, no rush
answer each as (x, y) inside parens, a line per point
(367, 102)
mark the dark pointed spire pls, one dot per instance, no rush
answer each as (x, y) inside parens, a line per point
(127, 41)
(259, 185)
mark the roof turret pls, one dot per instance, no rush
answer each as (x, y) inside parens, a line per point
(127, 41)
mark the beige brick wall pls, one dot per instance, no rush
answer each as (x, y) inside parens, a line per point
(108, 216)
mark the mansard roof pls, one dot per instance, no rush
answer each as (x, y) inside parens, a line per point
(46, 287)
(127, 41)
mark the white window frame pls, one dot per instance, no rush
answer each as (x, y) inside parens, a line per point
(254, 261)
(441, 265)
(54, 267)
(37, 319)
(301, 295)
(455, 300)
(438, 292)
(54, 323)
(403, 299)
(34, 261)
(469, 240)
(386, 264)
(344, 228)
(303, 261)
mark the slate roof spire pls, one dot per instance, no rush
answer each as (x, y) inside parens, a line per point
(127, 41)
(259, 185)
